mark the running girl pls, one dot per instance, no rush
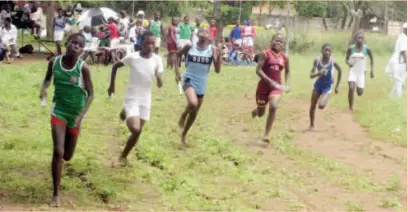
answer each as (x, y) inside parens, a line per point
(172, 42)
(323, 84)
(270, 65)
(59, 29)
(144, 67)
(356, 59)
(73, 95)
(199, 57)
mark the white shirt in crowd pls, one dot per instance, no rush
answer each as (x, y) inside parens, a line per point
(125, 22)
(9, 37)
(141, 77)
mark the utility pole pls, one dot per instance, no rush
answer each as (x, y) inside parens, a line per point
(287, 27)
(240, 8)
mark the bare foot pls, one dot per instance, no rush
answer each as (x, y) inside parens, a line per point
(311, 128)
(184, 141)
(123, 161)
(351, 110)
(55, 202)
(266, 141)
(254, 113)
(122, 115)
(182, 120)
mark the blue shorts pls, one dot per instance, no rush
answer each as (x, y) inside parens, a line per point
(321, 88)
(199, 85)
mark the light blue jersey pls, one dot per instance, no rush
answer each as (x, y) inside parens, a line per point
(198, 62)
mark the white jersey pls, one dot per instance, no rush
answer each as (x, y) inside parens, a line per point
(358, 59)
(141, 77)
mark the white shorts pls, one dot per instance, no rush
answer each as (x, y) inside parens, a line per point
(247, 41)
(358, 77)
(59, 35)
(158, 42)
(114, 43)
(238, 42)
(183, 42)
(134, 109)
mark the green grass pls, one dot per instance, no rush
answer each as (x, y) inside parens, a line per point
(215, 174)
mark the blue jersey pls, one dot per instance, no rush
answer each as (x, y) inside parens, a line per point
(198, 62)
(323, 83)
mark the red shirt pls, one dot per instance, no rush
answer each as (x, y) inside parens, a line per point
(171, 33)
(213, 32)
(114, 31)
(274, 64)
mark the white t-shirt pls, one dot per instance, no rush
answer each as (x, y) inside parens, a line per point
(125, 22)
(401, 44)
(141, 77)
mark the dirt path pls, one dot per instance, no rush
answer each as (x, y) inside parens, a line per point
(342, 140)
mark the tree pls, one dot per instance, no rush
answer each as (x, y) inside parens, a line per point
(312, 9)
(50, 18)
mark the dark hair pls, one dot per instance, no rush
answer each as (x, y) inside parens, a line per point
(74, 36)
(146, 34)
(226, 39)
(8, 19)
(325, 45)
(276, 35)
(60, 10)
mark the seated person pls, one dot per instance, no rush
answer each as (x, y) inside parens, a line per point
(88, 51)
(8, 34)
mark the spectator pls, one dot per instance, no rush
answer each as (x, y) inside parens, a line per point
(88, 51)
(113, 38)
(59, 27)
(36, 20)
(141, 16)
(185, 33)
(213, 32)
(156, 27)
(124, 21)
(235, 35)
(5, 12)
(135, 34)
(198, 25)
(9, 39)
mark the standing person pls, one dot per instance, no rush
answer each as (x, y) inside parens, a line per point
(199, 57)
(113, 38)
(185, 33)
(35, 20)
(213, 32)
(156, 27)
(236, 35)
(270, 65)
(144, 67)
(198, 25)
(141, 16)
(8, 36)
(356, 59)
(73, 95)
(323, 84)
(172, 42)
(397, 66)
(124, 21)
(248, 34)
(135, 35)
(59, 28)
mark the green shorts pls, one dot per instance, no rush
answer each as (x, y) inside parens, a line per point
(105, 43)
(67, 115)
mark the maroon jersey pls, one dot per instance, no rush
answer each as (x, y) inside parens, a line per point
(274, 64)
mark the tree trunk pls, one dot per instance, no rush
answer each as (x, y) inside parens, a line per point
(287, 40)
(343, 22)
(50, 18)
(350, 22)
(385, 26)
(324, 23)
(217, 17)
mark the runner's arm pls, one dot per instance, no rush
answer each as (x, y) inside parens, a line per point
(370, 55)
(47, 79)
(115, 68)
(217, 59)
(261, 74)
(348, 57)
(179, 54)
(313, 72)
(86, 76)
(287, 73)
(338, 74)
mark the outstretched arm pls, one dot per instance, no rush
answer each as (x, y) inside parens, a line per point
(370, 55)
(348, 57)
(287, 74)
(313, 72)
(47, 79)
(115, 68)
(158, 72)
(338, 76)
(179, 54)
(217, 59)
(86, 76)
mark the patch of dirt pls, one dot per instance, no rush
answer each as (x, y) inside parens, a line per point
(341, 139)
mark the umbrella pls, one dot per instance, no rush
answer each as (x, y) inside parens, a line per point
(95, 17)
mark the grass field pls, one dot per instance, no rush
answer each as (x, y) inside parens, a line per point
(352, 164)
